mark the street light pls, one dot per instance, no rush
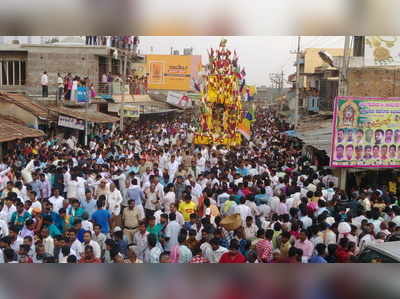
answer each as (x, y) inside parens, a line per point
(326, 57)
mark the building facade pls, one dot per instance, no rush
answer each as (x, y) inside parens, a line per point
(22, 65)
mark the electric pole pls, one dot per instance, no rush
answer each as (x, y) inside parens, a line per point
(342, 91)
(344, 67)
(277, 82)
(122, 111)
(296, 103)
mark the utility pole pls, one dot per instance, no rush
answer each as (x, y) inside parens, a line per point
(281, 83)
(342, 91)
(87, 105)
(296, 103)
(121, 114)
(344, 67)
(277, 82)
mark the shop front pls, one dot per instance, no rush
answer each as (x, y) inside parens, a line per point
(81, 124)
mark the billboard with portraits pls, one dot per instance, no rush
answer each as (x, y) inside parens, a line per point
(366, 132)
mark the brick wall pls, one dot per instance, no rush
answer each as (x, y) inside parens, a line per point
(374, 82)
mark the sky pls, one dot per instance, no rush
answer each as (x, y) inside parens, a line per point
(259, 55)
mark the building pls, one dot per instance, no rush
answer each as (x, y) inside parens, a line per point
(54, 120)
(22, 65)
(318, 81)
(383, 81)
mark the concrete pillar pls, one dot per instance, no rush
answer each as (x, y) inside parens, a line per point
(343, 178)
(109, 64)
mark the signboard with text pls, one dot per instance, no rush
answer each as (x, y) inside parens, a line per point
(69, 122)
(366, 132)
(172, 72)
(82, 95)
(179, 100)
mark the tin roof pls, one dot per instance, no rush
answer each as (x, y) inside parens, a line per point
(26, 103)
(94, 117)
(11, 129)
(315, 131)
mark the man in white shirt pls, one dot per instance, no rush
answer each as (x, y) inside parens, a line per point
(114, 200)
(7, 210)
(140, 240)
(172, 167)
(44, 81)
(60, 87)
(171, 232)
(87, 240)
(196, 190)
(200, 164)
(306, 220)
(243, 210)
(179, 216)
(250, 229)
(16, 240)
(217, 251)
(48, 241)
(56, 200)
(76, 245)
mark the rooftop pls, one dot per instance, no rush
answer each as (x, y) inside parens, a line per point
(11, 129)
(95, 117)
(25, 103)
(315, 130)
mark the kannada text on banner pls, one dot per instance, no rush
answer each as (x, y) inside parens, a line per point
(366, 132)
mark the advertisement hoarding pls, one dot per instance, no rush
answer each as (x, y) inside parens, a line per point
(366, 132)
(179, 100)
(382, 50)
(172, 72)
(82, 95)
(69, 122)
(131, 111)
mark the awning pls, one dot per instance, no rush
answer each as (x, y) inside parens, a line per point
(292, 133)
(319, 139)
(27, 104)
(11, 130)
(159, 111)
(94, 117)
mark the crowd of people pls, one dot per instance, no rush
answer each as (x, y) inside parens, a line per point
(149, 195)
(137, 84)
(67, 85)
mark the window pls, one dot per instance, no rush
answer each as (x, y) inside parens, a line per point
(12, 72)
(371, 256)
(3, 73)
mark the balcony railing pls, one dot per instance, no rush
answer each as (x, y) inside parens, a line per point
(110, 89)
(120, 42)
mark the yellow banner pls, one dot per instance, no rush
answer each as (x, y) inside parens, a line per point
(206, 139)
(171, 72)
